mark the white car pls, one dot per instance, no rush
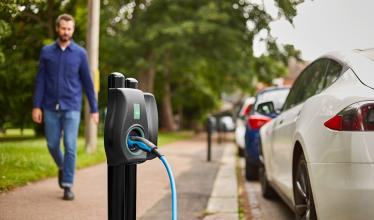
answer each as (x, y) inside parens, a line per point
(241, 122)
(227, 123)
(318, 153)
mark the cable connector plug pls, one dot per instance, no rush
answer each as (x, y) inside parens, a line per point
(143, 144)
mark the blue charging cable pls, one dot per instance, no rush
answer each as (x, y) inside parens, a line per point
(148, 146)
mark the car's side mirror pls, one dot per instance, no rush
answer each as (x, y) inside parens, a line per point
(267, 108)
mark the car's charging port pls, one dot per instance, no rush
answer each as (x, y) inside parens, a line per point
(134, 132)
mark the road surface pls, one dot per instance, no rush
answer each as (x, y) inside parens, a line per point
(263, 209)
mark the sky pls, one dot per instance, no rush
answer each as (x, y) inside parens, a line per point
(322, 26)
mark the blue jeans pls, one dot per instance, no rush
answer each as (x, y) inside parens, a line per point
(66, 123)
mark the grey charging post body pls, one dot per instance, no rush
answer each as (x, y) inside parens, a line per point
(130, 112)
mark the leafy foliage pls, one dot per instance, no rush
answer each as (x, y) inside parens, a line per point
(197, 49)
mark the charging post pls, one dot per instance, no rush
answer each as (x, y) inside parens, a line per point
(210, 127)
(130, 113)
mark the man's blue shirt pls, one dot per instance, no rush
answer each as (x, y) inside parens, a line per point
(61, 76)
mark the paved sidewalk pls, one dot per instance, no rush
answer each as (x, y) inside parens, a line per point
(223, 203)
(195, 179)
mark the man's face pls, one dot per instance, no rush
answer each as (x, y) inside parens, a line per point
(65, 30)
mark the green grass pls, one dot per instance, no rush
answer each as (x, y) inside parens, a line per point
(16, 132)
(23, 161)
(167, 138)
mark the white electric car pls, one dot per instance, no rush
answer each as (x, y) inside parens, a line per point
(318, 153)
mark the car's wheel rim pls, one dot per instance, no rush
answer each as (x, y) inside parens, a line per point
(302, 193)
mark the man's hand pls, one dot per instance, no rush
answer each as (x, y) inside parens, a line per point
(37, 115)
(95, 117)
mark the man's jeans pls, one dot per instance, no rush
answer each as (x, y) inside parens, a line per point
(66, 123)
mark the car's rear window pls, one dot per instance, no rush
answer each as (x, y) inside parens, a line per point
(277, 96)
(369, 53)
(365, 72)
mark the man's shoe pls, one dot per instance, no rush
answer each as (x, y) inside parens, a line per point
(68, 194)
(60, 173)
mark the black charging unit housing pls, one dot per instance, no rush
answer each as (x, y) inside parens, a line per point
(130, 112)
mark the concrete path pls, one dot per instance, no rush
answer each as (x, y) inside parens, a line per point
(195, 179)
(223, 202)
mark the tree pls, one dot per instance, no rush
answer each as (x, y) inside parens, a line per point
(188, 52)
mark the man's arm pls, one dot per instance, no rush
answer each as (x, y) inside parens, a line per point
(85, 76)
(39, 91)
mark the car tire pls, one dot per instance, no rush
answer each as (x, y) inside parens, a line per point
(267, 190)
(303, 196)
(251, 171)
(240, 152)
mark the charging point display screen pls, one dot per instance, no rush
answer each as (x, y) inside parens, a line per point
(136, 111)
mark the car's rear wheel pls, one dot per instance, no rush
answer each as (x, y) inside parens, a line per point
(251, 170)
(240, 151)
(267, 191)
(304, 203)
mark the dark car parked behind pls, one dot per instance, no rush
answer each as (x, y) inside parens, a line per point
(259, 115)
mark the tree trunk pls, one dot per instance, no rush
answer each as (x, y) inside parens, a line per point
(180, 118)
(93, 61)
(147, 79)
(167, 123)
(51, 23)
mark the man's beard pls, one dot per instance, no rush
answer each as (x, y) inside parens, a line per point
(64, 38)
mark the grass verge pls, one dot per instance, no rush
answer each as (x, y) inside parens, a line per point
(24, 161)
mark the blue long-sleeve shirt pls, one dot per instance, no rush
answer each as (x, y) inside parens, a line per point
(61, 77)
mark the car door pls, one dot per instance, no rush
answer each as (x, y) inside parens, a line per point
(306, 85)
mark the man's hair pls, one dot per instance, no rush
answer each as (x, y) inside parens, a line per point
(65, 17)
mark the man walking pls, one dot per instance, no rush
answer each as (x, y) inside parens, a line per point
(63, 72)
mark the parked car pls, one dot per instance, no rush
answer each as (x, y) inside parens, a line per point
(226, 124)
(258, 116)
(318, 154)
(241, 122)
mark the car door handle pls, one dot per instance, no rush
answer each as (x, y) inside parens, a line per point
(281, 122)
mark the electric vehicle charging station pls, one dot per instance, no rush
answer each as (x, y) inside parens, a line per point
(130, 138)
